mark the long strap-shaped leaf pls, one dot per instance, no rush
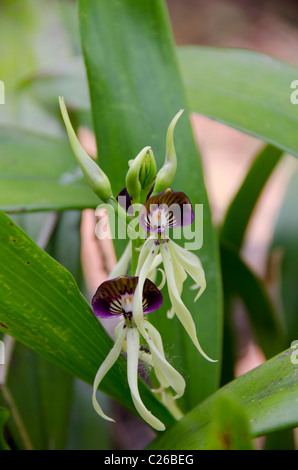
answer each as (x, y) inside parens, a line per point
(247, 90)
(40, 173)
(238, 279)
(136, 90)
(241, 208)
(41, 306)
(267, 393)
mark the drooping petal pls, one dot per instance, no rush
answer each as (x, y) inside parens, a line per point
(107, 302)
(144, 253)
(105, 367)
(132, 347)
(156, 338)
(146, 259)
(192, 265)
(122, 265)
(180, 277)
(172, 376)
(180, 309)
(166, 210)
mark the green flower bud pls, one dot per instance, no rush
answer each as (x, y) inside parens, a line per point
(97, 179)
(141, 173)
(147, 173)
(167, 173)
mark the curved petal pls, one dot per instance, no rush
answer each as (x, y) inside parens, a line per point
(175, 380)
(133, 346)
(180, 309)
(192, 265)
(146, 259)
(180, 277)
(145, 250)
(105, 367)
(156, 338)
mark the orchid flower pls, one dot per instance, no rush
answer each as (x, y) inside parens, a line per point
(115, 297)
(132, 297)
(166, 210)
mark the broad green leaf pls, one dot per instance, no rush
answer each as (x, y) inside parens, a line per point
(239, 280)
(86, 431)
(244, 89)
(268, 394)
(40, 173)
(39, 395)
(70, 82)
(42, 307)
(241, 208)
(229, 428)
(4, 414)
(27, 44)
(284, 258)
(135, 91)
(39, 414)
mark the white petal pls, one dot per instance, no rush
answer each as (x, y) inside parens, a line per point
(105, 367)
(122, 266)
(156, 338)
(180, 309)
(180, 276)
(133, 345)
(143, 270)
(145, 250)
(192, 265)
(173, 377)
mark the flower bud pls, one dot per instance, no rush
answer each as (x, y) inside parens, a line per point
(141, 173)
(147, 173)
(167, 173)
(97, 179)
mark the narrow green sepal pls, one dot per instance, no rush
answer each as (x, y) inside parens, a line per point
(166, 174)
(97, 179)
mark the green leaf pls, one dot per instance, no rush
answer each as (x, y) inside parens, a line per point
(40, 406)
(70, 82)
(42, 307)
(29, 45)
(86, 431)
(40, 173)
(244, 89)
(284, 258)
(4, 414)
(239, 280)
(135, 91)
(268, 393)
(241, 208)
(229, 429)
